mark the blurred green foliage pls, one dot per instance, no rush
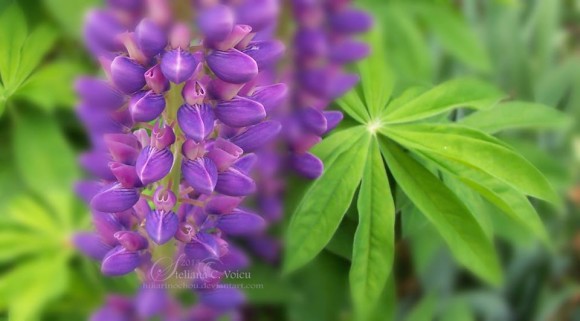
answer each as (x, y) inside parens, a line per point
(527, 48)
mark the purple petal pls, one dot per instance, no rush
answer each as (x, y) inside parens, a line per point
(97, 93)
(222, 204)
(256, 136)
(246, 163)
(156, 80)
(222, 298)
(178, 65)
(162, 136)
(151, 38)
(153, 164)
(131, 241)
(101, 30)
(234, 183)
(115, 198)
(97, 164)
(232, 66)
(349, 51)
(224, 153)
(201, 174)
(240, 112)
(240, 223)
(125, 174)
(164, 199)
(313, 120)
(258, 14)
(127, 74)
(307, 165)
(271, 97)
(216, 23)
(119, 261)
(161, 226)
(351, 21)
(202, 247)
(91, 245)
(265, 53)
(146, 106)
(87, 189)
(333, 118)
(196, 121)
(151, 302)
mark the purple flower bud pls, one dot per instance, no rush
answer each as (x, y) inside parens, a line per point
(256, 136)
(127, 74)
(246, 163)
(97, 164)
(311, 43)
(240, 223)
(351, 21)
(265, 53)
(106, 225)
(333, 118)
(313, 120)
(91, 245)
(349, 51)
(125, 174)
(271, 97)
(304, 142)
(135, 53)
(115, 198)
(216, 23)
(97, 93)
(156, 80)
(153, 164)
(224, 299)
(146, 106)
(196, 121)
(120, 261)
(123, 148)
(328, 83)
(222, 204)
(239, 37)
(234, 183)
(307, 165)
(201, 174)
(240, 112)
(271, 208)
(224, 90)
(101, 30)
(131, 241)
(87, 189)
(232, 66)
(161, 226)
(193, 92)
(257, 13)
(193, 150)
(141, 209)
(162, 136)
(224, 153)
(150, 37)
(203, 246)
(180, 36)
(234, 260)
(151, 302)
(178, 65)
(164, 199)
(98, 122)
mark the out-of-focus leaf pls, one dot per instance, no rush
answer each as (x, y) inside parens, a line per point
(443, 98)
(51, 86)
(475, 149)
(387, 305)
(455, 35)
(341, 242)
(377, 78)
(320, 211)
(517, 114)
(44, 159)
(374, 241)
(458, 310)
(461, 231)
(12, 36)
(36, 46)
(70, 13)
(424, 310)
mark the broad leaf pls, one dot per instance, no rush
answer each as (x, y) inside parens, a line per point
(70, 13)
(443, 98)
(517, 114)
(337, 143)
(320, 211)
(377, 78)
(424, 310)
(353, 105)
(374, 241)
(475, 149)
(461, 231)
(12, 36)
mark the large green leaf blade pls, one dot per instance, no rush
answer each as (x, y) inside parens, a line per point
(353, 105)
(377, 78)
(320, 211)
(475, 149)
(443, 98)
(515, 115)
(461, 231)
(374, 241)
(13, 32)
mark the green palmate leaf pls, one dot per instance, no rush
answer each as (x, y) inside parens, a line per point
(320, 211)
(424, 310)
(353, 105)
(373, 249)
(377, 78)
(443, 98)
(511, 202)
(455, 35)
(461, 231)
(70, 13)
(337, 143)
(12, 36)
(475, 149)
(517, 114)
(36, 46)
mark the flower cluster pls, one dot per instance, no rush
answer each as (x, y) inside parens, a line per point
(176, 127)
(323, 43)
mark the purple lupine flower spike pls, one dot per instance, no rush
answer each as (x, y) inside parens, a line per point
(161, 226)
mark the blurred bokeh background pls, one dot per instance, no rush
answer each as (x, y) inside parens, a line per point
(529, 48)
